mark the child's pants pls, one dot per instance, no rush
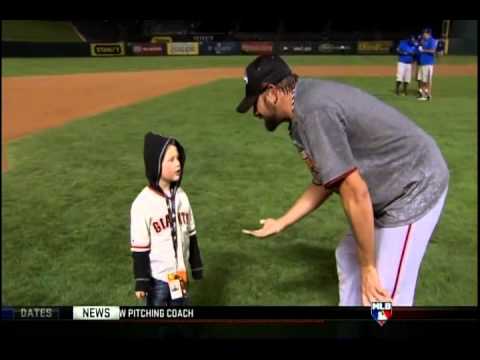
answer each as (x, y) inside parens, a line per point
(159, 295)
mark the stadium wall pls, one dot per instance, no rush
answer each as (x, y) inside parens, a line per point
(41, 49)
(463, 38)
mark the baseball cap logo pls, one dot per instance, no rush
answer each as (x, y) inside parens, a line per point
(258, 74)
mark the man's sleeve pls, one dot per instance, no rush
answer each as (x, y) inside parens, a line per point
(327, 140)
(140, 247)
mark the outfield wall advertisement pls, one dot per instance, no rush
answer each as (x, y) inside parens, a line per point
(257, 47)
(220, 48)
(205, 47)
(183, 48)
(375, 47)
(107, 49)
(315, 47)
(148, 49)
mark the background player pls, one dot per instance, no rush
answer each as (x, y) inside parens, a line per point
(416, 62)
(426, 51)
(405, 50)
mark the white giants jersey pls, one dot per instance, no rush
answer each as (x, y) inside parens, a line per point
(151, 230)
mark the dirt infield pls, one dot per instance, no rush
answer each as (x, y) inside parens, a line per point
(30, 104)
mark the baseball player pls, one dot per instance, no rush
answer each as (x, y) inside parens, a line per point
(405, 50)
(426, 51)
(390, 175)
(416, 57)
(163, 236)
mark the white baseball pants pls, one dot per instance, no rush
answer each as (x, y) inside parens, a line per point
(399, 254)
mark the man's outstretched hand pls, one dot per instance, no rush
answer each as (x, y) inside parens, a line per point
(270, 227)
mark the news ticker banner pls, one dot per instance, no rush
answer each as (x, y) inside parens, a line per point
(231, 313)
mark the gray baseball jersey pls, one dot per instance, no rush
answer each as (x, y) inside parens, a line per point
(339, 128)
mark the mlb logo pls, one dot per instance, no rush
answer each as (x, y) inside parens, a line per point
(381, 311)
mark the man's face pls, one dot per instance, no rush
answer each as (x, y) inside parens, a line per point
(426, 35)
(266, 108)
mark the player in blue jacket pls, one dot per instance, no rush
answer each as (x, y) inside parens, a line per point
(405, 50)
(426, 51)
(416, 57)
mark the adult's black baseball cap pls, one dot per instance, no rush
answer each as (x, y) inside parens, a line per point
(264, 70)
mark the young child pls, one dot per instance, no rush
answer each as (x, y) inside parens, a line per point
(163, 237)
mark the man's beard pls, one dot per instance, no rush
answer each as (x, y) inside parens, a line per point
(271, 124)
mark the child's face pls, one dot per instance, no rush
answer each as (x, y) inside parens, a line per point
(171, 168)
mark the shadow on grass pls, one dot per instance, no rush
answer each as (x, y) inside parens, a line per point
(217, 274)
(320, 278)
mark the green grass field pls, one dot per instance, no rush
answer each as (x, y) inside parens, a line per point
(51, 66)
(38, 31)
(67, 195)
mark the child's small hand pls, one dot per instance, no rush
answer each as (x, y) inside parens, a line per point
(140, 295)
